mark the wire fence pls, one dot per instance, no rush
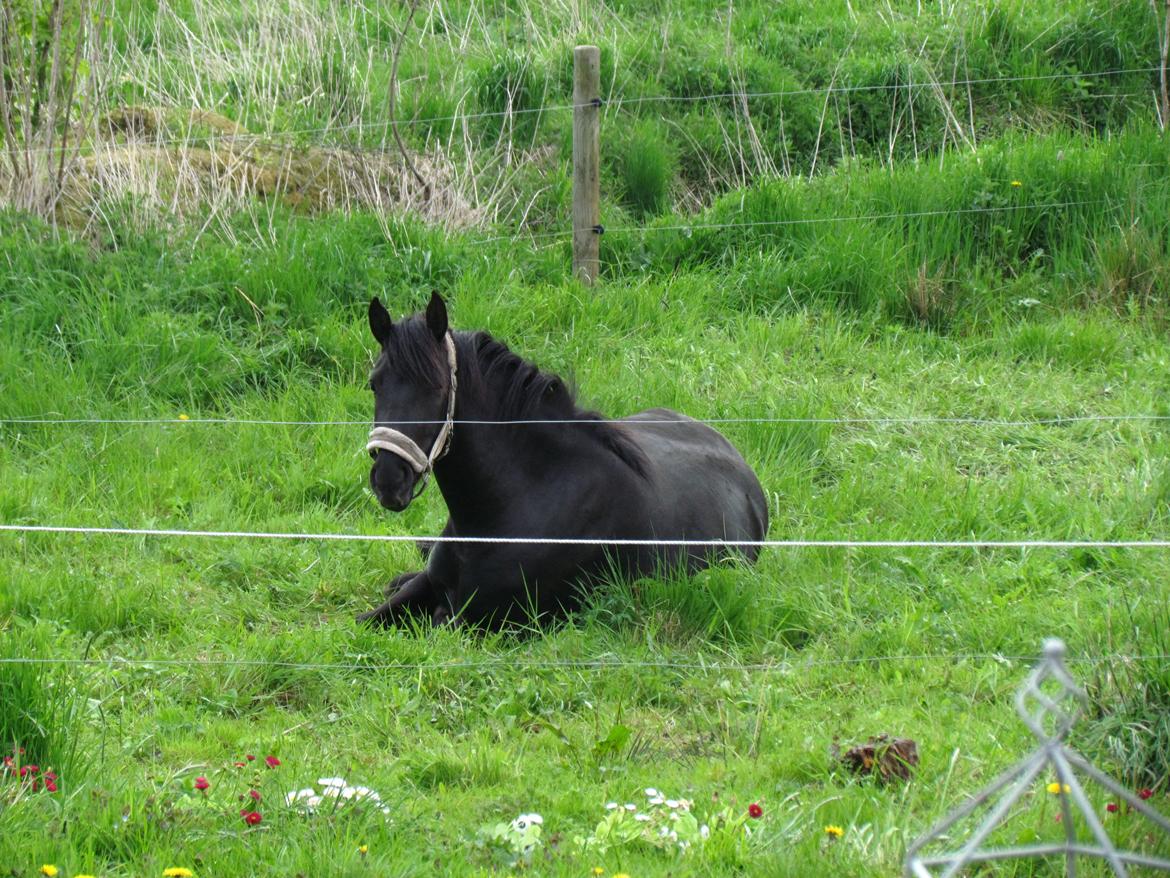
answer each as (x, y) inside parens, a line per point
(513, 661)
(619, 103)
(692, 228)
(622, 104)
(909, 420)
(579, 541)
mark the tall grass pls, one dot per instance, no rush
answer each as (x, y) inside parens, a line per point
(249, 104)
(41, 705)
(1130, 721)
(645, 167)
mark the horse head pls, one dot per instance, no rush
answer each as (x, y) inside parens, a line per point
(414, 386)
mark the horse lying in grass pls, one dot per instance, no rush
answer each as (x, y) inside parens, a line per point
(514, 456)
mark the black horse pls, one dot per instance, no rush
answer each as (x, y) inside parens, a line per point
(543, 468)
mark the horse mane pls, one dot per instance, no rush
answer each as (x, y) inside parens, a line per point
(412, 350)
(523, 392)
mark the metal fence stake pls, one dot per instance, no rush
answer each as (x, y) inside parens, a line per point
(1050, 718)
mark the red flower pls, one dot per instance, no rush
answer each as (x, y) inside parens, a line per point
(7, 761)
(271, 761)
(251, 817)
(1111, 807)
(755, 811)
(50, 785)
(255, 794)
(1145, 793)
(250, 758)
(201, 784)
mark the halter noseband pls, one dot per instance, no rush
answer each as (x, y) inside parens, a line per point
(397, 442)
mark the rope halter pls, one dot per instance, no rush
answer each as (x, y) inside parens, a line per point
(398, 443)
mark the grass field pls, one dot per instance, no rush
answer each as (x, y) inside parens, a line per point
(1017, 277)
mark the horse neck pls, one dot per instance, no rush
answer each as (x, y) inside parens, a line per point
(489, 465)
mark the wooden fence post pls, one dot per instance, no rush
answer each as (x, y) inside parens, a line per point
(586, 159)
(1165, 105)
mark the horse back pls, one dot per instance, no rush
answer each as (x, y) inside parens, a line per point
(700, 486)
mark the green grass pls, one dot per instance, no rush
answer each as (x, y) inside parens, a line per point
(156, 324)
(866, 258)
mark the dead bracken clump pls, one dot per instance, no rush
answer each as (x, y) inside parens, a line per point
(186, 161)
(883, 757)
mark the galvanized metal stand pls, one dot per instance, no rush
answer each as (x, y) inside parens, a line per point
(1050, 715)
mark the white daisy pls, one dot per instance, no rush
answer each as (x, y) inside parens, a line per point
(297, 795)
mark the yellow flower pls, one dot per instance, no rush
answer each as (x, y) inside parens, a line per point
(184, 418)
(363, 849)
(49, 870)
(1055, 788)
(1016, 184)
(597, 870)
(834, 831)
(177, 872)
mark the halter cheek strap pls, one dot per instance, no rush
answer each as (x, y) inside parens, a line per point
(398, 443)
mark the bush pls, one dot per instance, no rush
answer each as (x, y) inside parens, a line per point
(46, 92)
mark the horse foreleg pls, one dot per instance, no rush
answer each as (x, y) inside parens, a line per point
(413, 596)
(395, 585)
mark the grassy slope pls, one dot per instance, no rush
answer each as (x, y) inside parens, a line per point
(1026, 312)
(313, 71)
(158, 328)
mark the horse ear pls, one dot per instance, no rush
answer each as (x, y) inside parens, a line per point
(380, 322)
(437, 316)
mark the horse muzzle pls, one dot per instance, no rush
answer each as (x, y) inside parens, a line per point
(393, 481)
